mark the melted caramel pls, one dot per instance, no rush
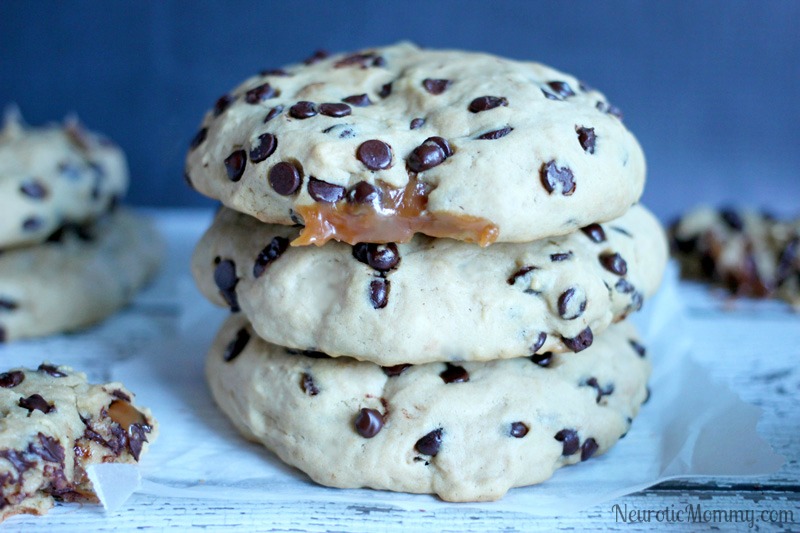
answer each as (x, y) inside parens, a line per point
(400, 214)
(124, 414)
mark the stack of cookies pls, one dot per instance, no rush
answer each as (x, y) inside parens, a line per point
(455, 329)
(68, 256)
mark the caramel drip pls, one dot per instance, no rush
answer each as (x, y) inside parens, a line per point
(401, 214)
(124, 414)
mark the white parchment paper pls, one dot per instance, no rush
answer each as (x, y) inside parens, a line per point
(690, 427)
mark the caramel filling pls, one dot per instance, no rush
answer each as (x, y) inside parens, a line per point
(124, 414)
(395, 217)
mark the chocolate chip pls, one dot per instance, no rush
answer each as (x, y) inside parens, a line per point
(49, 449)
(426, 156)
(496, 134)
(638, 348)
(324, 192)
(226, 280)
(520, 273)
(554, 178)
(363, 193)
(313, 354)
(260, 93)
(51, 370)
(518, 430)
(623, 286)
(235, 165)
(383, 257)
(308, 385)
(569, 437)
(443, 144)
(198, 138)
(594, 232)
(358, 100)
(543, 359)
(588, 448)
(274, 72)
(274, 112)
(317, 56)
(550, 96)
(571, 304)
(120, 395)
(32, 224)
(417, 123)
(270, 253)
(33, 189)
(614, 263)
(580, 342)
(7, 305)
(222, 104)
(136, 439)
(379, 293)
(386, 90)
(561, 88)
(285, 179)
(587, 139)
(369, 422)
(34, 402)
(539, 342)
(485, 103)
(436, 86)
(454, 374)
(303, 110)
(265, 147)
(334, 110)
(363, 60)
(396, 370)
(613, 110)
(375, 154)
(601, 391)
(430, 443)
(236, 346)
(732, 219)
(11, 379)
(561, 256)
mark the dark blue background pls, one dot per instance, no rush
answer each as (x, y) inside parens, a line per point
(711, 89)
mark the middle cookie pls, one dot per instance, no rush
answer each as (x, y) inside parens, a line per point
(431, 299)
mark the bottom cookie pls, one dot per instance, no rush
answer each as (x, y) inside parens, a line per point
(464, 431)
(53, 424)
(79, 277)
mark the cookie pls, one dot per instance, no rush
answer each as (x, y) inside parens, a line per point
(79, 277)
(53, 424)
(52, 176)
(384, 143)
(465, 432)
(750, 253)
(431, 299)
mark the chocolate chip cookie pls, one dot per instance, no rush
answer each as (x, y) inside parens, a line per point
(431, 299)
(53, 425)
(467, 431)
(54, 176)
(380, 144)
(81, 275)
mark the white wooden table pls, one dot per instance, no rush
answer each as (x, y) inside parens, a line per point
(753, 347)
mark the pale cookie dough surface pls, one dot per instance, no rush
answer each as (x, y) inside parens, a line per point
(53, 424)
(435, 299)
(80, 277)
(465, 432)
(533, 116)
(52, 176)
(750, 253)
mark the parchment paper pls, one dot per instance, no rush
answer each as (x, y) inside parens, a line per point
(690, 427)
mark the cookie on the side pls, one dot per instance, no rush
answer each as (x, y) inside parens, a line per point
(380, 144)
(750, 253)
(80, 276)
(53, 425)
(53, 176)
(431, 299)
(466, 432)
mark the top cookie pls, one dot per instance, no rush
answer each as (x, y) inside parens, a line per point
(53, 176)
(378, 145)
